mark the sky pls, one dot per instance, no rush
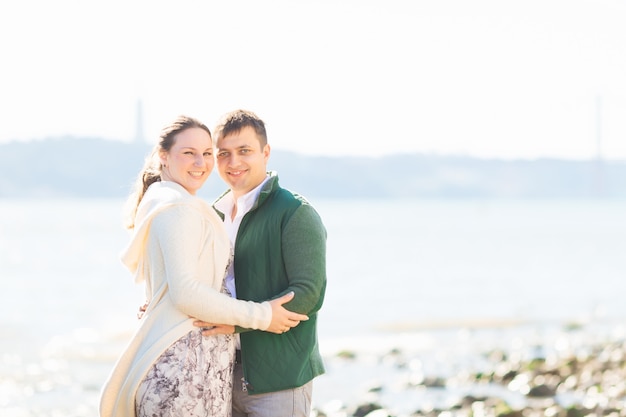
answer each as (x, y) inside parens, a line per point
(488, 78)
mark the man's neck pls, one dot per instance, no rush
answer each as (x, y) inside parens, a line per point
(238, 194)
(236, 197)
(233, 213)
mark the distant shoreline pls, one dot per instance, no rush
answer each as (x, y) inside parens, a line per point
(113, 165)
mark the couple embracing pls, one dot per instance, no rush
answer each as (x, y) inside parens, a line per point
(233, 288)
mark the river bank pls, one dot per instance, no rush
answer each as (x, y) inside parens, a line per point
(558, 370)
(506, 370)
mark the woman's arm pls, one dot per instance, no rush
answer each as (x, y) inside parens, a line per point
(179, 236)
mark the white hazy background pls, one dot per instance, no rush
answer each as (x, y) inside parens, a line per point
(489, 78)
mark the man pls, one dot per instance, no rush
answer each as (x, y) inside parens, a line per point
(280, 246)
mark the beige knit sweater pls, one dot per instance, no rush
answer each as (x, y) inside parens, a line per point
(180, 250)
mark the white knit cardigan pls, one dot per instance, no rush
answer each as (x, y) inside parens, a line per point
(180, 249)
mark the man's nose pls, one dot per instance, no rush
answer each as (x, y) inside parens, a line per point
(233, 160)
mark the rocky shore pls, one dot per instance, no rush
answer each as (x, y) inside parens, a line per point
(572, 373)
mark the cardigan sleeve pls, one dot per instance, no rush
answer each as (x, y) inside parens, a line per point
(180, 234)
(304, 252)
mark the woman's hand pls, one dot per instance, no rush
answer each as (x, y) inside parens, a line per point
(283, 319)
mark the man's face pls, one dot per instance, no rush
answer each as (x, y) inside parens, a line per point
(241, 161)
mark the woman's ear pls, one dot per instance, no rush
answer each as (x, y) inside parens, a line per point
(163, 158)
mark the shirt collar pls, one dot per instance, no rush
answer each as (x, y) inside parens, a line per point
(244, 203)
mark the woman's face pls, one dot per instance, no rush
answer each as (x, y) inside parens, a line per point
(190, 160)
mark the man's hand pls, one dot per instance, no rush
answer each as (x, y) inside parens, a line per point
(211, 329)
(142, 310)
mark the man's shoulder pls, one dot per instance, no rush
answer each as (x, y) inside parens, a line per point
(284, 197)
(289, 197)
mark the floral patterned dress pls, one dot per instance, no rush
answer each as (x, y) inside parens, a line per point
(192, 378)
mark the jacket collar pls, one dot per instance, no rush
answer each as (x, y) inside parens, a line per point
(271, 184)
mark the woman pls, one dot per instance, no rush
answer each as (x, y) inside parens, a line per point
(181, 251)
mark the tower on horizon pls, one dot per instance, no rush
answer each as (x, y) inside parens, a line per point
(139, 135)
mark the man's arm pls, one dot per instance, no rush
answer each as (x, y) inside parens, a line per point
(304, 254)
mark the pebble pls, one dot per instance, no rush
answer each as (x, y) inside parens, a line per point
(587, 382)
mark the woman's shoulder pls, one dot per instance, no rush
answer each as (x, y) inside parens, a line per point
(166, 191)
(165, 199)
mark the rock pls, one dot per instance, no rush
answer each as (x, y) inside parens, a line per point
(346, 354)
(381, 412)
(541, 391)
(365, 409)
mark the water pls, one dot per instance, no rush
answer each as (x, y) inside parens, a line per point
(443, 278)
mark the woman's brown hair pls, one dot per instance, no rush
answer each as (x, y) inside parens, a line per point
(151, 171)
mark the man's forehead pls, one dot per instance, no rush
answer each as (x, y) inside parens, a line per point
(222, 145)
(237, 141)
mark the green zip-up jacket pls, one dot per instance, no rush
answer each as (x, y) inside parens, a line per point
(281, 247)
